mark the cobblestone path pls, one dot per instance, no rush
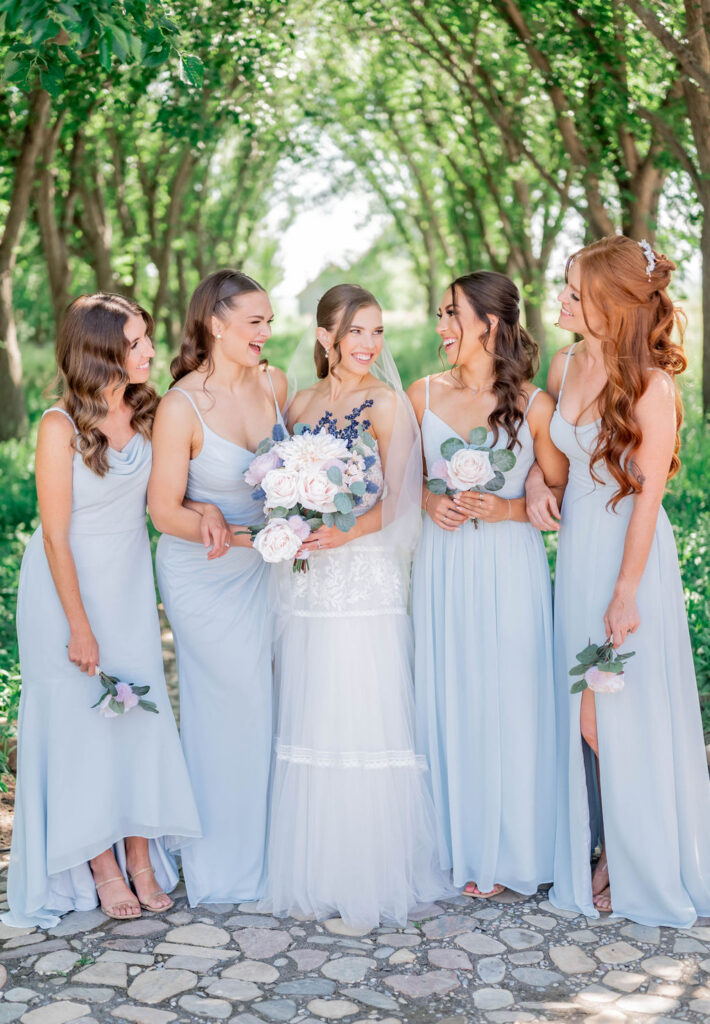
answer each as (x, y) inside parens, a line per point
(462, 961)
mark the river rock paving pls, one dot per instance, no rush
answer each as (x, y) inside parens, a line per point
(505, 961)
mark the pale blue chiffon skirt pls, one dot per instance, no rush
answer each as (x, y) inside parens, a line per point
(481, 609)
(221, 618)
(654, 777)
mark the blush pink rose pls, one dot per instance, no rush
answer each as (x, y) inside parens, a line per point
(126, 696)
(277, 542)
(260, 466)
(440, 471)
(316, 491)
(604, 682)
(470, 468)
(281, 488)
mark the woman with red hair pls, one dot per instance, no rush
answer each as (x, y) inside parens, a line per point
(632, 764)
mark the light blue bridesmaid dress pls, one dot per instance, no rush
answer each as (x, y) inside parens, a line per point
(85, 782)
(221, 618)
(654, 777)
(481, 608)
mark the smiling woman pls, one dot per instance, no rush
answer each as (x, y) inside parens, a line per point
(222, 403)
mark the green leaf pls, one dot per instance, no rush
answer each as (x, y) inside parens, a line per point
(148, 705)
(314, 522)
(436, 485)
(343, 503)
(121, 43)
(335, 476)
(450, 446)
(478, 436)
(298, 428)
(496, 483)
(367, 438)
(140, 691)
(345, 521)
(328, 519)
(105, 51)
(589, 655)
(578, 670)
(578, 686)
(358, 488)
(116, 706)
(279, 512)
(51, 83)
(192, 69)
(264, 446)
(502, 459)
(615, 667)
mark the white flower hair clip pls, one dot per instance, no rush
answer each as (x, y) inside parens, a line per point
(650, 257)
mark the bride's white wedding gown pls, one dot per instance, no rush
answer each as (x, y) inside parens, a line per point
(353, 828)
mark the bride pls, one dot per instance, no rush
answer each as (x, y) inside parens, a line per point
(352, 827)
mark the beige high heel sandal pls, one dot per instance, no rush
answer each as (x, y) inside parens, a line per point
(109, 910)
(158, 892)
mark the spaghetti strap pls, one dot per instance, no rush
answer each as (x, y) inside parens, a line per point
(530, 401)
(564, 374)
(426, 391)
(273, 392)
(192, 402)
(55, 408)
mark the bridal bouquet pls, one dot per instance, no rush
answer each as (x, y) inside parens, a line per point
(306, 481)
(118, 697)
(470, 467)
(600, 667)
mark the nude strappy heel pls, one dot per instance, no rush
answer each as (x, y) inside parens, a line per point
(158, 892)
(109, 910)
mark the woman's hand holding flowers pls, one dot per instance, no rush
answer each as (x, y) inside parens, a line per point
(84, 650)
(442, 510)
(622, 616)
(488, 507)
(326, 538)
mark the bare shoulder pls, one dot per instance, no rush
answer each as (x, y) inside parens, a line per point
(280, 382)
(659, 394)
(57, 430)
(557, 369)
(416, 393)
(175, 412)
(541, 408)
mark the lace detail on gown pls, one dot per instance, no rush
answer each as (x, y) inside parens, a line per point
(350, 758)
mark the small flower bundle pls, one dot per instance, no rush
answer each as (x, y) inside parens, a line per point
(600, 667)
(475, 466)
(118, 697)
(307, 481)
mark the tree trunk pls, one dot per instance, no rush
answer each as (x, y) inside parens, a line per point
(163, 257)
(54, 243)
(13, 411)
(705, 251)
(534, 323)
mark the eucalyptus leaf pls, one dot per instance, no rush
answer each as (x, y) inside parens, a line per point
(328, 519)
(343, 503)
(345, 521)
(578, 686)
(263, 447)
(578, 670)
(335, 476)
(589, 655)
(450, 446)
(478, 436)
(367, 438)
(502, 459)
(116, 706)
(280, 512)
(496, 483)
(358, 487)
(140, 691)
(299, 428)
(314, 522)
(436, 485)
(148, 705)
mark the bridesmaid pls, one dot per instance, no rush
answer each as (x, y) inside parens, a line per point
(481, 603)
(97, 798)
(206, 431)
(617, 418)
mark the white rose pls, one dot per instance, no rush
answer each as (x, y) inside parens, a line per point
(604, 682)
(316, 491)
(281, 488)
(277, 542)
(470, 468)
(308, 451)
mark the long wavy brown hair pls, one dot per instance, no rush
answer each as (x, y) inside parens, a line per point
(629, 296)
(515, 353)
(216, 295)
(335, 312)
(91, 358)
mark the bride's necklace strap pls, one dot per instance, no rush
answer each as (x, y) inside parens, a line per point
(474, 391)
